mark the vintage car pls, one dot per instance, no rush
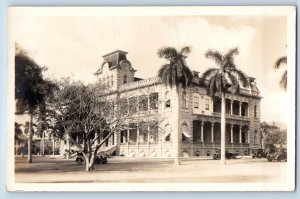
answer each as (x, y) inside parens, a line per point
(259, 153)
(228, 155)
(278, 156)
(99, 159)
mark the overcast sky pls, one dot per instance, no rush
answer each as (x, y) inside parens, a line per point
(73, 46)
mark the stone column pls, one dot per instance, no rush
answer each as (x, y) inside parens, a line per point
(240, 135)
(231, 134)
(240, 109)
(231, 107)
(248, 136)
(212, 132)
(202, 124)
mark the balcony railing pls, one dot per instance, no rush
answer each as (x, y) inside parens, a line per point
(229, 116)
(141, 83)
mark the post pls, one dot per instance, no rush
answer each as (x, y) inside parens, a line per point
(53, 146)
(202, 124)
(212, 132)
(240, 108)
(231, 134)
(240, 135)
(231, 107)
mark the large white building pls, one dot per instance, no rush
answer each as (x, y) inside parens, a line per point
(199, 115)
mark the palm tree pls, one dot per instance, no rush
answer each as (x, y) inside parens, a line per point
(175, 74)
(225, 78)
(283, 80)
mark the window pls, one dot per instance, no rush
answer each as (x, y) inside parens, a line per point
(124, 136)
(196, 102)
(206, 104)
(132, 133)
(184, 99)
(153, 133)
(167, 133)
(167, 100)
(112, 80)
(125, 79)
(132, 104)
(255, 111)
(123, 107)
(255, 137)
(143, 132)
(184, 132)
(143, 103)
(153, 101)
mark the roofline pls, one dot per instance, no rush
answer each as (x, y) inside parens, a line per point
(121, 51)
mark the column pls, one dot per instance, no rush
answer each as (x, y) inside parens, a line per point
(212, 132)
(248, 110)
(231, 107)
(231, 134)
(240, 109)
(248, 136)
(202, 124)
(137, 134)
(53, 150)
(240, 135)
(127, 139)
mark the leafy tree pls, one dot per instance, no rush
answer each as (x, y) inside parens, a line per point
(86, 116)
(225, 78)
(272, 136)
(176, 74)
(278, 64)
(30, 88)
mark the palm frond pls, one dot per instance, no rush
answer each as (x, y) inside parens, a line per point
(235, 85)
(211, 88)
(241, 76)
(231, 52)
(281, 60)
(283, 80)
(208, 73)
(215, 55)
(167, 52)
(185, 50)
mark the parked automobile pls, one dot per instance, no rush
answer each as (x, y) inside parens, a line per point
(99, 159)
(278, 156)
(228, 155)
(259, 153)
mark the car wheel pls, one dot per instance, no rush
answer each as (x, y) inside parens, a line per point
(79, 161)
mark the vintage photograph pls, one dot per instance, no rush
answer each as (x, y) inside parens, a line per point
(151, 99)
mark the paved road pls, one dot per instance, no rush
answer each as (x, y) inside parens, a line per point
(51, 170)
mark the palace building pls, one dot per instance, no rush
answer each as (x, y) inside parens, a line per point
(199, 115)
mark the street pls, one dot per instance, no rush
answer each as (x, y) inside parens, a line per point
(125, 170)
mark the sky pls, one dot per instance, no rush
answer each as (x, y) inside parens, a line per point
(74, 45)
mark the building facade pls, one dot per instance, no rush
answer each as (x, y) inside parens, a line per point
(199, 117)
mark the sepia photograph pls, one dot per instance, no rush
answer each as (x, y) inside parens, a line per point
(151, 98)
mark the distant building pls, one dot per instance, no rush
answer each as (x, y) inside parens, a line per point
(199, 115)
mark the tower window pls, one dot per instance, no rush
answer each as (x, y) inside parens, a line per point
(196, 102)
(255, 111)
(125, 79)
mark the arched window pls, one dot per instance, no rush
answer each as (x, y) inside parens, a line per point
(184, 99)
(255, 111)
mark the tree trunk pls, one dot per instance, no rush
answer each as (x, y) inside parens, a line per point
(176, 131)
(89, 161)
(29, 156)
(223, 131)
